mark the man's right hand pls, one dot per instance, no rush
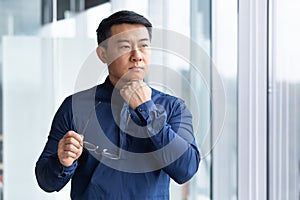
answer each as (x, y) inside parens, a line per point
(70, 148)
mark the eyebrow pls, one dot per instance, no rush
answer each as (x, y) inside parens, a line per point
(124, 40)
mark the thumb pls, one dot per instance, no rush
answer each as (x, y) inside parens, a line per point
(82, 137)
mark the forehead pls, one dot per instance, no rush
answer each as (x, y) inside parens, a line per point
(129, 31)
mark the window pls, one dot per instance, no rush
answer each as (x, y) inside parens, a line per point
(284, 100)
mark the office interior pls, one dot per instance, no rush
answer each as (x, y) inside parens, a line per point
(235, 63)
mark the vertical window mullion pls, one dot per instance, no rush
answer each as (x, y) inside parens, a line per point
(252, 100)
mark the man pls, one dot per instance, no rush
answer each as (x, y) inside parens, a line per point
(120, 139)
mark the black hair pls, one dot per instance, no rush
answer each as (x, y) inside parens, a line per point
(120, 17)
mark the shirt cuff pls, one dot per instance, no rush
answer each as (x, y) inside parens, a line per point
(67, 171)
(141, 114)
(151, 115)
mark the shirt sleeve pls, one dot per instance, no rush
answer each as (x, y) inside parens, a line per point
(171, 131)
(50, 174)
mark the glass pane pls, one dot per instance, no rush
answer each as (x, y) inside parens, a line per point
(284, 101)
(213, 33)
(34, 85)
(201, 79)
(224, 54)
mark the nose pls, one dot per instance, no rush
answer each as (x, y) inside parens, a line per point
(136, 56)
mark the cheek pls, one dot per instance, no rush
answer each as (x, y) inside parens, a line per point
(119, 65)
(118, 60)
(113, 55)
(148, 57)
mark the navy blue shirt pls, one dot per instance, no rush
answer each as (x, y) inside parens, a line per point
(154, 143)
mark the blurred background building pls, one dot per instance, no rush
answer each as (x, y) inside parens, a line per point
(235, 63)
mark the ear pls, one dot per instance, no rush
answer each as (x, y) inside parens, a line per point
(101, 52)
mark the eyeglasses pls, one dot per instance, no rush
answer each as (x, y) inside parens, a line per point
(95, 148)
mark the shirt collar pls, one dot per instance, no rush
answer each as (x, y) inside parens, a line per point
(106, 92)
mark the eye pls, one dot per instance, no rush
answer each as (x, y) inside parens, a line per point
(125, 47)
(145, 45)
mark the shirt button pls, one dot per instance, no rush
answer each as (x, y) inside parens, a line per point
(140, 110)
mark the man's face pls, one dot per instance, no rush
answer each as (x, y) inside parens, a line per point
(128, 52)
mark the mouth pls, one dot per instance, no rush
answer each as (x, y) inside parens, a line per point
(135, 68)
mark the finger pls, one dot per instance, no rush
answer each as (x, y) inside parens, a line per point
(70, 136)
(73, 141)
(144, 84)
(131, 86)
(72, 148)
(73, 134)
(133, 81)
(69, 154)
(141, 84)
(70, 151)
(82, 137)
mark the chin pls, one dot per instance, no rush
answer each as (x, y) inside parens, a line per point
(130, 77)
